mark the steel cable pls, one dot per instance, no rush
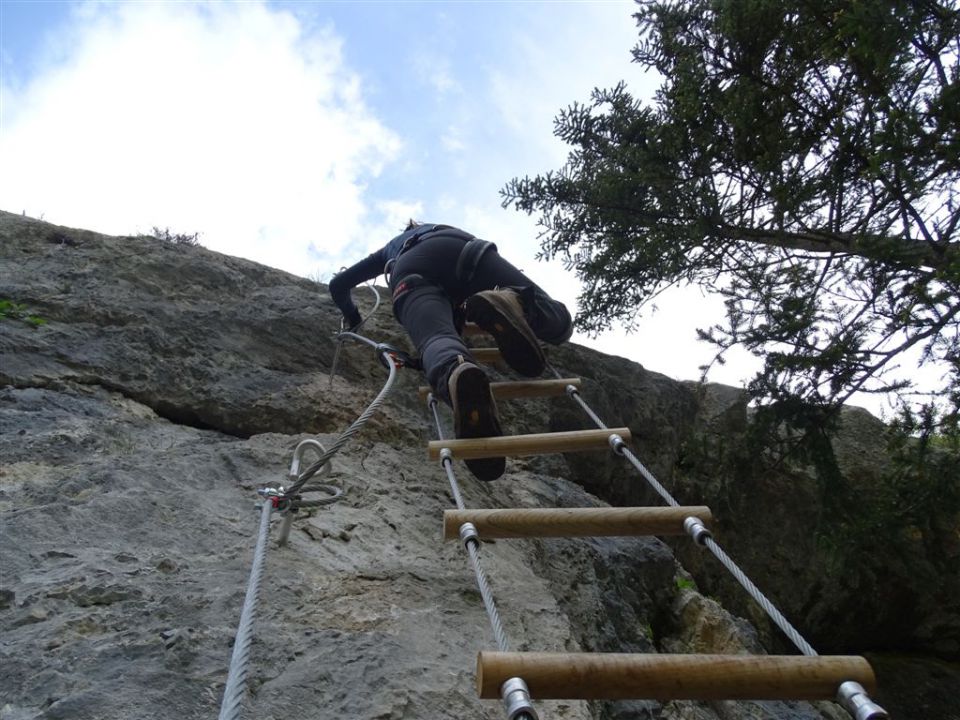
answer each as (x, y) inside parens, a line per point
(447, 463)
(473, 547)
(754, 592)
(488, 602)
(357, 425)
(774, 614)
(650, 478)
(240, 660)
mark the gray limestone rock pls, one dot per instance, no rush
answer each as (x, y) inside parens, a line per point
(168, 383)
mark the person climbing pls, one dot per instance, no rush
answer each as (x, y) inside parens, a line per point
(440, 276)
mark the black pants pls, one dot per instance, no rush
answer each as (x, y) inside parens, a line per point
(426, 309)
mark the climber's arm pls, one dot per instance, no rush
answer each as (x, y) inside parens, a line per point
(342, 283)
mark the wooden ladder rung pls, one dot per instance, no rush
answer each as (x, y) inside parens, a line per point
(521, 388)
(574, 522)
(519, 445)
(614, 676)
(486, 355)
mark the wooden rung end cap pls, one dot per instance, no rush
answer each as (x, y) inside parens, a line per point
(522, 388)
(520, 445)
(611, 676)
(574, 522)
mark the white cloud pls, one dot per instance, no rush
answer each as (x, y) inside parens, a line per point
(227, 119)
(244, 124)
(452, 139)
(435, 71)
(564, 55)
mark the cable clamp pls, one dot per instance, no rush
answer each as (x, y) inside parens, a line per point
(695, 528)
(516, 699)
(446, 454)
(275, 495)
(854, 699)
(617, 443)
(571, 390)
(468, 532)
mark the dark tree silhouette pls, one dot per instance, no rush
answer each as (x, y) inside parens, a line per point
(802, 159)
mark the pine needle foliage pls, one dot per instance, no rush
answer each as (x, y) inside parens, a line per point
(802, 159)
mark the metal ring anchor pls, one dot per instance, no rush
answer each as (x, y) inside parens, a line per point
(301, 448)
(294, 475)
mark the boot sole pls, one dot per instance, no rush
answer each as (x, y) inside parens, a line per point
(475, 417)
(519, 348)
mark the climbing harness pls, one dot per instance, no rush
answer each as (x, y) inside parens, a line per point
(419, 233)
(469, 259)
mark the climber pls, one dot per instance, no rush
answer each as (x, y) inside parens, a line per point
(440, 276)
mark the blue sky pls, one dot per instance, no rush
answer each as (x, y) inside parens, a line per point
(303, 134)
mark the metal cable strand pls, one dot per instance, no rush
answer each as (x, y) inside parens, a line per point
(334, 493)
(236, 679)
(789, 630)
(473, 549)
(649, 477)
(457, 498)
(754, 592)
(436, 415)
(586, 408)
(349, 432)
(487, 596)
(447, 463)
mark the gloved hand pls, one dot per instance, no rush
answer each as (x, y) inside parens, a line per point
(352, 320)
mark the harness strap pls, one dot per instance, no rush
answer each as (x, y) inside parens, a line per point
(421, 232)
(470, 257)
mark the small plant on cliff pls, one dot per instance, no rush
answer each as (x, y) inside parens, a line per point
(18, 311)
(175, 238)
(319, 277)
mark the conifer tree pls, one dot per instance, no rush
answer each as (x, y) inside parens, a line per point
(802, 159)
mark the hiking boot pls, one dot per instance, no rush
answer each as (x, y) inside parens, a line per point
(500, 313)
(475, 415)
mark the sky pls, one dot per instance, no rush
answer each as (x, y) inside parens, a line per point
(303, 135)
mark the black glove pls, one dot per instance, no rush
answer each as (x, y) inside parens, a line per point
(352, 320)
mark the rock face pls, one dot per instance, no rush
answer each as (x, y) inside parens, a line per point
(158, 386)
